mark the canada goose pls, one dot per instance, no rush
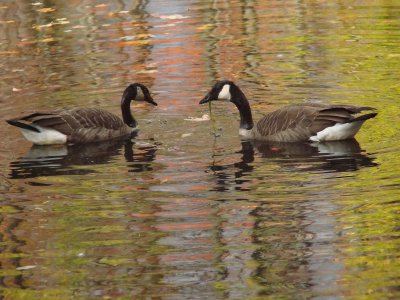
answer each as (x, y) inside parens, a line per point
(293, 123)
(82, 125)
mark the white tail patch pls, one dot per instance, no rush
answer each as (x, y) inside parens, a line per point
(225, 93)
(338, 132)
(46, 136)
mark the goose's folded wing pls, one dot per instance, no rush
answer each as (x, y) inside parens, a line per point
(286, 118)
(335, 114)
(93, 118)
(329, 117)
(299, 122)
(68, 121)
(51, 120)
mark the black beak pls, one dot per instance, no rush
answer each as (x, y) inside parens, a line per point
(151, 101)
(206, 99)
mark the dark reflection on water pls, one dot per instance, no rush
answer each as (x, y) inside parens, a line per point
(339, 156)
(63, 160)
(240, 168)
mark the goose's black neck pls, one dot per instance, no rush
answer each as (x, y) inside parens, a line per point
(129, 120)
(241, 102)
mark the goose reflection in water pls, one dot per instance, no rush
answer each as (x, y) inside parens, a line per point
(334, 156)
(62, 160)
(241, 168)
(328, 157)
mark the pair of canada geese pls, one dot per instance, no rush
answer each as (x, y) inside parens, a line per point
(293, 123)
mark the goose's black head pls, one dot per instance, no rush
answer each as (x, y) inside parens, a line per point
(224, 90)
(137, 92)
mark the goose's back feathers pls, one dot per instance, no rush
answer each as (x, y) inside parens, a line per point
(79, 125)
(300, 122)
(68, 120)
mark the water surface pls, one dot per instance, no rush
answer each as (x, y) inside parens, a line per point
(186, 210)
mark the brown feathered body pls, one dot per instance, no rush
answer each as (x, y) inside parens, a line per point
(300, 122)
(79, 125)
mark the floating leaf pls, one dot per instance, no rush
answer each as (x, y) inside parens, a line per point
(48, 40)
(39, 27)
(147, 71)
(61, 21)
(204, 117)
(102, 5)
(46, 9)
(170, 17)
(26, 267)
(117, 13)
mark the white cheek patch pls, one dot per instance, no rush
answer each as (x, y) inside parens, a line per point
(225, 93)
(139, 94)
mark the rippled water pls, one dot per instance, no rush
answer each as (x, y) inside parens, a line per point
(187, 210)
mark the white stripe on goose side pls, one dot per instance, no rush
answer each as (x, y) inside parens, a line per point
(46, 136)
(339, 131)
